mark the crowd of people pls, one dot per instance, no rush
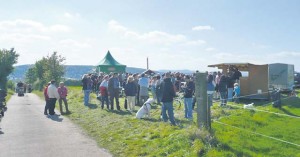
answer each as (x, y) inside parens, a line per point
(163, 88)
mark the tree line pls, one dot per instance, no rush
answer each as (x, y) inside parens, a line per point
(48, 68)
(44, 70)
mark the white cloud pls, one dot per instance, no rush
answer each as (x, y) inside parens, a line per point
(210, 49)
(153, 37)
(115, 26)
(195, 43)
(23, 38)
(28, 26)
(74, 44)
(70, 15)
(287, 54)
(200, 28)
(59, 28)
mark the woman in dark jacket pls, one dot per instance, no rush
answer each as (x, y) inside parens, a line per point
(189, 90)
(222, 87)
(168, 93)
(130, 91)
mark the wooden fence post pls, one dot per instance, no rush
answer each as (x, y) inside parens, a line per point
(201, 99)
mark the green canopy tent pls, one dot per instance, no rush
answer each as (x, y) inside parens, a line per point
(109, 64)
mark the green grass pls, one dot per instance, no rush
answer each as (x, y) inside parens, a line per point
(123, 135)
(240, 139)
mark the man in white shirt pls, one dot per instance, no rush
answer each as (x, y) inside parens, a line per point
(53, 96)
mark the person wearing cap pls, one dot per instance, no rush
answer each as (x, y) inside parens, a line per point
(46, 99)
(63, 92)
(113, 90)
(53, 96)
(168, 94)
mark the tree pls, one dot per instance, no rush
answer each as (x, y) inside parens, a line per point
(7, 59)
(30, 75)
(55, 68)
(46, 69)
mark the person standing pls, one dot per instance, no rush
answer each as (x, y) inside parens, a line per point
(130, 91)
(136, 82)
(153, 89)
(113, 90)
(87, 85)
(63, 92)
(46, 99)
(53, 96)
(188, 97)
(103, 92)
(158, 89)
(144, 84)
(222, 87)
(168, 94)
(237, 92)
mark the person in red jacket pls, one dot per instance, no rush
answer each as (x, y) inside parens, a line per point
(63, 92)
(46, 99)
(104, 92)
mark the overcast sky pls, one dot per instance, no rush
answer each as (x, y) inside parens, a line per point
(174, 34)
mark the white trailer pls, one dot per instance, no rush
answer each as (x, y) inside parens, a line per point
(281, 76)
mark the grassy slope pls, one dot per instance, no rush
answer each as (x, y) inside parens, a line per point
(123, 135)
(244, 143)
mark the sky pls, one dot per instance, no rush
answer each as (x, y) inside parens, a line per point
(173, 34)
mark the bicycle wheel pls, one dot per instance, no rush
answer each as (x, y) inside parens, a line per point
(177, 104)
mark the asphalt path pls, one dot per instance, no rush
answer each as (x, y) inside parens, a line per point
(27, 132)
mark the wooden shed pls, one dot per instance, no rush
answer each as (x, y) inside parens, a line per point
(256, 84)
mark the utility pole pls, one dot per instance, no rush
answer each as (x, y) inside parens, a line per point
(203, 117)
(147, 63)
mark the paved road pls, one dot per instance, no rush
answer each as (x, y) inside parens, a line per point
(26, 132)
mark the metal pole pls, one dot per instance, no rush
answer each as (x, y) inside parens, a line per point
(147, 63)
(201, 99)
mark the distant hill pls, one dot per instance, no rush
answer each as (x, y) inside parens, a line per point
(76, 71)
(71, 71)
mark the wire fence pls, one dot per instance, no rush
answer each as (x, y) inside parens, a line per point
(270, 137)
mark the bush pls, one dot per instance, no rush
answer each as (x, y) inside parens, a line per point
(11, 85)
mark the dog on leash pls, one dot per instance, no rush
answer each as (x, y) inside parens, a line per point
(249, 106)
(145, 109)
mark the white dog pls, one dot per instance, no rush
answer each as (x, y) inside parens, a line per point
(145, 109)
(249, 106)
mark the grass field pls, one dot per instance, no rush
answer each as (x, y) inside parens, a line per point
(235, 131)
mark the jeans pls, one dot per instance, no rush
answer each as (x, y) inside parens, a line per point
(223, 96)
(114, 95)
(168, 106)
(104, 99)
(158, 96)
(52, 102)
(86, 96)
(46, 107)
(153, 91)
(188, 108)
(230, 92)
